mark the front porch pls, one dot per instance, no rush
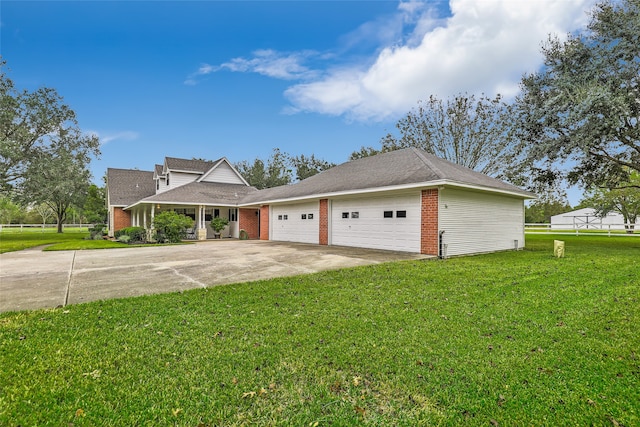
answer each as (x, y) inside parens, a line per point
(142, 215)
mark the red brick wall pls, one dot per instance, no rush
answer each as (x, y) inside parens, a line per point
(121, 219)
(324, 222)
(249, 221)
(429, 225)
(264, 222)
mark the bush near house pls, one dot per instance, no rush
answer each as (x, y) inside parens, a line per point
(97, 232)
(171, 227)
(134, 234)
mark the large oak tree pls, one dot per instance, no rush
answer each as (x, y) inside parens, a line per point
(578, 118)
(469, 131)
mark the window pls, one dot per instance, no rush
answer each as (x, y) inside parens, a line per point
(355, 214)
(233, 214)
(401, 214)
(279, 217)
(157, 184)
(388, 214)
(167, 180)
(345, 214)
(310, 216)
(216, 213)
(285, 217)
(304, 216)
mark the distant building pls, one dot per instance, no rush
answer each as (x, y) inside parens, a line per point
(586, 219)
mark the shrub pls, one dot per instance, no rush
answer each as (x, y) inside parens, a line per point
(124, 238)
(171, 227)
(136, 234)
(97, 231)
(218, 224)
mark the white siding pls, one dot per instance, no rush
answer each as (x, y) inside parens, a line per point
(162, 187)
(294, 228)
(371, 229)
(178, 179)
(479, 222)
(223, 173)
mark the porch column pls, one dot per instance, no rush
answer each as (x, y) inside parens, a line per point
(202, 230)
(144, 217)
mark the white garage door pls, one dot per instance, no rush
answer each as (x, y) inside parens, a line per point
(295, 223)
(389, 223)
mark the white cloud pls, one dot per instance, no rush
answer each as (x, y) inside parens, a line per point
(126, 135)
(270, 63)
(485, 46)
(482, 47)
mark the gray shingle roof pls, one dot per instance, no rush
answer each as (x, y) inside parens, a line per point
(210, 193)
(199, 166)
(401, 167)
(158, 170)
(127, 186)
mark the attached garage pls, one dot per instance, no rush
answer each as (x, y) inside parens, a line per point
(405, 200)
(295, 222)
(383, 222)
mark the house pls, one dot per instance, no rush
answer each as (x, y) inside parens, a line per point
(405, 200)
(587, 219)
(199, 189)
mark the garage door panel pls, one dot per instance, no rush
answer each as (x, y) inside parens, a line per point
(295, 223)
(371, 229)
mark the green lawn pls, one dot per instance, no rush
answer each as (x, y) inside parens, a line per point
(11, 241)
(513, 338)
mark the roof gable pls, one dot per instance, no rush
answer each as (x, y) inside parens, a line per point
(223, 172)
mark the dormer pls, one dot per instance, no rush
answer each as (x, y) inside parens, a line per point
(159, 179)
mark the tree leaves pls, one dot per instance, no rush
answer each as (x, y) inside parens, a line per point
(578, 118)
(33, 124)
(462, 129)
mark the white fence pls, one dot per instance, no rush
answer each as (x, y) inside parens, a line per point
(572, 228)
(40, 227)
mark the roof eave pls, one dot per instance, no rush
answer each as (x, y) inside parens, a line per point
(148, 202)
(429, 184)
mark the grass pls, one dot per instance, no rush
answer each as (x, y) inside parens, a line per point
(15, 241)
(513, 338)
(11, 241)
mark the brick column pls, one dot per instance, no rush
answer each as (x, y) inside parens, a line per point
(323, 238)
(248, 220)
(429, 223)
(264, 222)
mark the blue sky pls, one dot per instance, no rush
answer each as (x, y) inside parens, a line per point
(236, 79)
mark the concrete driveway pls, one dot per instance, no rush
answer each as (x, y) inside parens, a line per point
(33, 279)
